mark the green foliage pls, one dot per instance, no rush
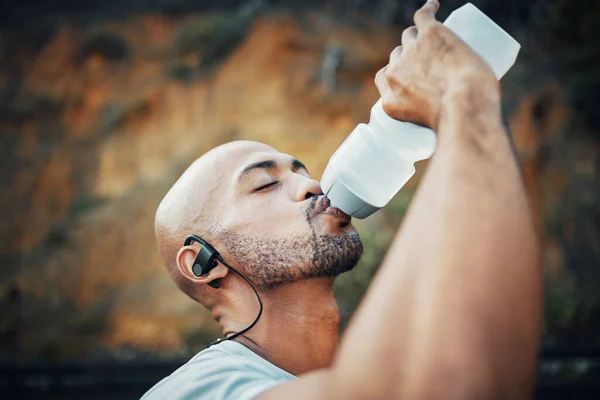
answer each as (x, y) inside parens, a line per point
(116, 114)
(25, 105)
(109, 45)
(574, 30)
(212, 37)
(83, 205)
(376, 234)
(560, 303)
(181, 72)
(29, 322)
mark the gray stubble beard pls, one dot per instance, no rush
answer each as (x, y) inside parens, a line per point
(269, 263)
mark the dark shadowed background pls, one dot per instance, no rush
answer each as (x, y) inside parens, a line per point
(103, 104)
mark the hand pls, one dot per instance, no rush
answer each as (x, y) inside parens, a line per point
(431, 66)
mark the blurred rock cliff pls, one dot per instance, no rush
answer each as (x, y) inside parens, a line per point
(101, 112)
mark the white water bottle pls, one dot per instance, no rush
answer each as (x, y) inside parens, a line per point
(378, 158)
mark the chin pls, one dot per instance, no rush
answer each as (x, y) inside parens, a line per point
(350, 232)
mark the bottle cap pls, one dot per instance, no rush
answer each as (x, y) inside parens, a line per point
(343, 197)
(484, 36)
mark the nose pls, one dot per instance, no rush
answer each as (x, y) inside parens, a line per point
(307, 189)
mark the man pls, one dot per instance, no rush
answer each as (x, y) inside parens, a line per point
(454, 311)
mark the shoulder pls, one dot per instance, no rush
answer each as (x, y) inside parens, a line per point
(225, 371)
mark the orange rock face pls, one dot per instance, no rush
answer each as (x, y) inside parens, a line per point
(104, 131)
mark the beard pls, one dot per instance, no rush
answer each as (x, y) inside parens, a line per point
(273, 262)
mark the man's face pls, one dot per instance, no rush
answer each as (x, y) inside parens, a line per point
(276, 223)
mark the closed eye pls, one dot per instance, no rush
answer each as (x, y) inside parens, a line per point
(268, 185)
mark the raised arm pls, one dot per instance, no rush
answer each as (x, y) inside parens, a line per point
(454, 311)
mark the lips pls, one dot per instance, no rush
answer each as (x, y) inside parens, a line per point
(323, 206)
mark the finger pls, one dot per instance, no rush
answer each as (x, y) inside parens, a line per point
(425, 16)
(381, 82)
(395, 54)
(409, 35)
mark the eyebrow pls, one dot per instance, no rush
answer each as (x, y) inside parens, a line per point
(268, 164)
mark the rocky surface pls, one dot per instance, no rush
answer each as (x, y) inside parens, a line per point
(99, 120)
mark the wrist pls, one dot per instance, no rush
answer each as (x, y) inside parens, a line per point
(470, 108)
(469, 87)
(472, 98)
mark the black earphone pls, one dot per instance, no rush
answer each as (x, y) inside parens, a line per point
(206, 259)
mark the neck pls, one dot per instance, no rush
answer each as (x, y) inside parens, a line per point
(298, 330)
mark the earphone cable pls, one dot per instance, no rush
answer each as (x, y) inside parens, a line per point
(259, 303)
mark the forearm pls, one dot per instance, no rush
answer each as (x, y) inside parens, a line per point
(457, 300)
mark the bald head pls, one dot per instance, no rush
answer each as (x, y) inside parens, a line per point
(191, 205)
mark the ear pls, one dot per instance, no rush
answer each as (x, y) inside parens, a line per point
(185, 260)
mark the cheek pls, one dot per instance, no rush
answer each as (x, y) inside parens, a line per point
(268, 218)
